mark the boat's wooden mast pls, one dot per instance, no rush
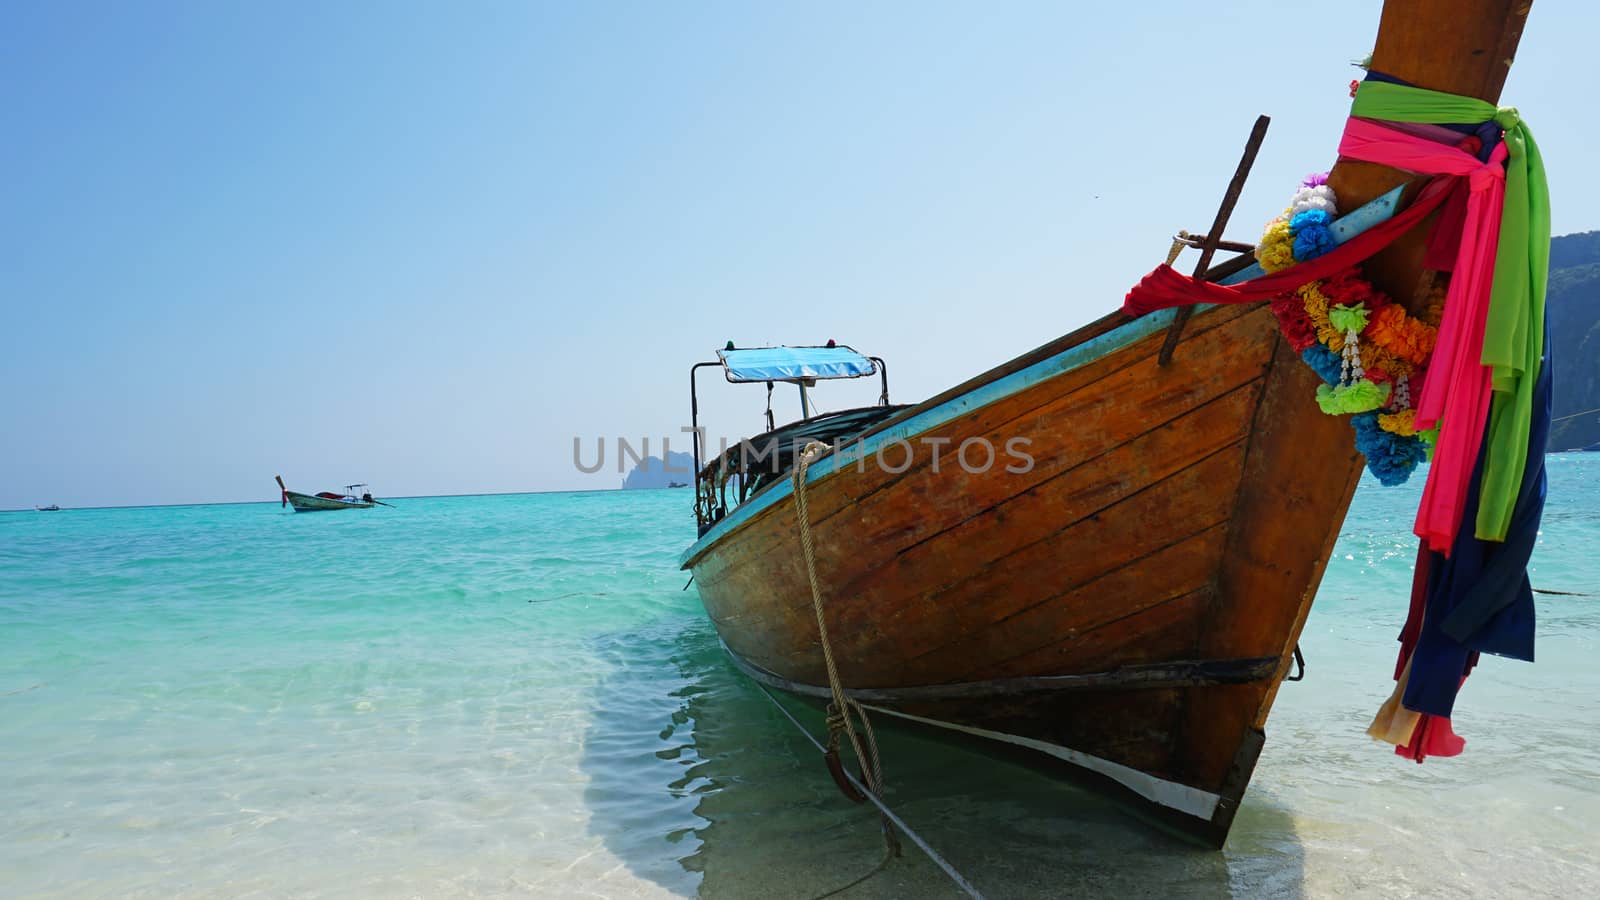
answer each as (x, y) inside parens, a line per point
(1457, 46)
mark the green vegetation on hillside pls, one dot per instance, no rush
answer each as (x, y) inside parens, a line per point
(1573, 307)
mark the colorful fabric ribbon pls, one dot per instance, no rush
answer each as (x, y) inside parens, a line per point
(1458, 387)
(1482, 379)
(1514, 329)
(1478, 600)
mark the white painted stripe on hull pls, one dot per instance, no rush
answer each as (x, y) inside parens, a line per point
(1181, 797)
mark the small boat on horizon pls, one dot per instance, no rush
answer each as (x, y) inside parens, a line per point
(51, 508)
(354, 496)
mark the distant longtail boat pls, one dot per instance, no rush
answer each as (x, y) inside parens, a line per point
(354, 496)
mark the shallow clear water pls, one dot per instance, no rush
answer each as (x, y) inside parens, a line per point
(512, 694)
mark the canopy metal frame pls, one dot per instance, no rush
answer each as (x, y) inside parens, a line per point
(881, 369)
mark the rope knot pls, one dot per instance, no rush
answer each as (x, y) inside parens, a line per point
(1507, 117)
(812, 450)
(835, 721)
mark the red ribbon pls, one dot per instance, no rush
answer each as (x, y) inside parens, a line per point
(1165, 287)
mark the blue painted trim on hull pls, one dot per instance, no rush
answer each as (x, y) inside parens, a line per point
(1065, 361)
(1343, 230)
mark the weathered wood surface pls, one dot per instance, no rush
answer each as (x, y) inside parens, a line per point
(1104, 555)
(1173, 513)
(912, 561)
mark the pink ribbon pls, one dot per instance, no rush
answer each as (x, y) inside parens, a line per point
(1457, 390)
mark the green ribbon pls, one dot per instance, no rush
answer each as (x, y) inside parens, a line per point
(1513, 341)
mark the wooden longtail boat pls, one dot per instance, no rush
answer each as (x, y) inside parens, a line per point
(355, 496)
(1125, 608)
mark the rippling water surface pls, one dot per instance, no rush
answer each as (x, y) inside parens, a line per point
(512, 694)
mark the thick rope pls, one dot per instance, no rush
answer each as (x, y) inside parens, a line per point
(1179, 241)
(839, 711)
(1575, 415)
(961, 882)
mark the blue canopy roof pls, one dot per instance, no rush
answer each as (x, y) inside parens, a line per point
(791, 363)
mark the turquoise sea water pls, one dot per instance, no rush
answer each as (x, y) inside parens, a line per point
(512, 695)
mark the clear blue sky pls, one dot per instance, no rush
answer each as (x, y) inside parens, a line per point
(426, 245)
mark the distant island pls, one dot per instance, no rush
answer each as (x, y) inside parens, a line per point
(652, 473)
(1572, 305)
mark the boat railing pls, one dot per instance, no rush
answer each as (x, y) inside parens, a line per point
(773, 452)
(755, 464)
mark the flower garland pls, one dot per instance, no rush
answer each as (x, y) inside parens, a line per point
(1365, 347)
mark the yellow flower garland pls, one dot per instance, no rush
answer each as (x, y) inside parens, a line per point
(1402, 423)
(1276, 250)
